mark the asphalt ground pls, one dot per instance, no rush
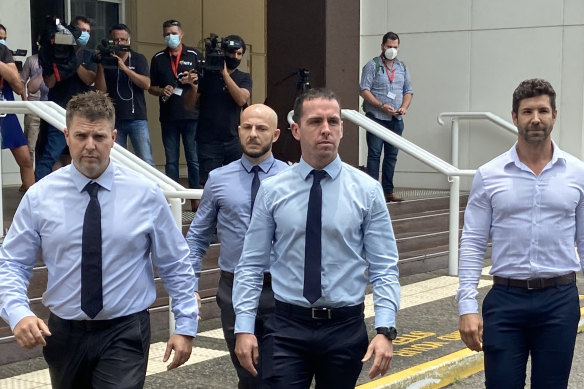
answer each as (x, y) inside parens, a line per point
(427, 335)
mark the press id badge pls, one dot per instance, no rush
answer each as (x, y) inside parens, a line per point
(177, 91)
(391, 95)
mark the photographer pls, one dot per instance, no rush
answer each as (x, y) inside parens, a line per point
(221, 96)
(124, 75)
(176, 121)
(68, 69)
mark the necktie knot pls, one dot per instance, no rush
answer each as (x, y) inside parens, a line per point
(92, 189)
(255, 169)
(318, 175)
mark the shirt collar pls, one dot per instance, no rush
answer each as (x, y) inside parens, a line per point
(333, 169)
(558, 155)
(265, 166)
(105, 180)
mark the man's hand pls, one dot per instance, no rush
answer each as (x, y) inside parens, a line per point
(402, 110)
(383, 350)
(167, 90)
(182, 346)
(190, 78)
(121, 63)
(471, 331)
(30, 332)
(388, 109)
(246, 349)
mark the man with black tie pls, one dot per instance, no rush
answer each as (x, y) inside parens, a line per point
(326, 223)
(99, 257)
(226, 206)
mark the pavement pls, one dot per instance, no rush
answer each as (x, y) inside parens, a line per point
(428, 352)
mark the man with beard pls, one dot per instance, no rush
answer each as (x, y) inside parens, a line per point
(226, 205)
(529, 202)
(221, 96)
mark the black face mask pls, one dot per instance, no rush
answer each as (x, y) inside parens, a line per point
(232, 63)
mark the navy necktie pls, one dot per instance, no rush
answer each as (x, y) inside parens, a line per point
(255, 185)
(313, 245)
(91, 284)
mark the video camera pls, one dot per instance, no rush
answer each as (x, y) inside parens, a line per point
(18, 53)
(58, 43)
(106, 49)
(215, 48)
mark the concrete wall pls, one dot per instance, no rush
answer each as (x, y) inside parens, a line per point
(15, 16)
(469, 56)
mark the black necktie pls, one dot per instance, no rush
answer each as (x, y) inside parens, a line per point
(313, 246)
(91, 289)
(255, 185)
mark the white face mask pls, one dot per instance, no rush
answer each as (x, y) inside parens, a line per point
(390, 53)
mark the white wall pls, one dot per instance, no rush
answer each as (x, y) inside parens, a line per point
(469, 55)
(15, 16)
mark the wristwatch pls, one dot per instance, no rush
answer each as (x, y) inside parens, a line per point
(389, 332)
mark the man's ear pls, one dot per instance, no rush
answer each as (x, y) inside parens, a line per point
(295, 131)
(276, 135)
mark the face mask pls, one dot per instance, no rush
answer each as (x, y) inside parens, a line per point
(390, 53)
(232, 63)
(3, 42)
(172, 40)
(83, 38)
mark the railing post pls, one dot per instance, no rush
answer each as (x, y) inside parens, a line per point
(453, 225)
(454, 147)
(176, 210)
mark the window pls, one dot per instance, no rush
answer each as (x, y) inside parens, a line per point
(102, 13)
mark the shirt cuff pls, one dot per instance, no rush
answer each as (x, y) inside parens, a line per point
(468, 306)
(244, 323)
(186, 326)
(16, 314)
(384, 318)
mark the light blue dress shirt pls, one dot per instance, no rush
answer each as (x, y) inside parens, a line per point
(357, 236)
(226, 205)
(375, 79)
(137, 231)
(532, 221)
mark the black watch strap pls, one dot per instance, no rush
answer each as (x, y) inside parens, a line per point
(389, 332)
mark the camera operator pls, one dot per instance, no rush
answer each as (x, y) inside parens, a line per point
(221, 98)
(124, 75)
(176, 121)
(67, 71)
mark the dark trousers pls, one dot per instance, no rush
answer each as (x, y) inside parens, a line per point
(518, 322)
(374, 147)
(303, 348)
(262, 325)
(98, 353)
(216, 154)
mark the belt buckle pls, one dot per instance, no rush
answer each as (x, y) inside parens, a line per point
(535, 283)
(321, 313)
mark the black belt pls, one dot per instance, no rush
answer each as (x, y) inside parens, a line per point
(229, 276)
(318, 313)
(536, 283)
(93, 325)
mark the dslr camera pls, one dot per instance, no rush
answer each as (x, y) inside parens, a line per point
(106, 49)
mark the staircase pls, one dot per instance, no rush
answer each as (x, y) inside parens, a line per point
(420, 225)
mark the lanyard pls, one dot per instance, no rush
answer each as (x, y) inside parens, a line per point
(391, 76)
(174, 65)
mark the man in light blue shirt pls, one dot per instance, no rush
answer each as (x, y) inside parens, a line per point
(325, 338)
(529, 202)
(86, 346)
(226, 206)
(387, 92)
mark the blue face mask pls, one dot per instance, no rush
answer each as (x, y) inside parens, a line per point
(83, 39)
(172, 40)
(2, 42)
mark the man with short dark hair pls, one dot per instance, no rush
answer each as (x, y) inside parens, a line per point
(125, 82)
(387, 92)
(329, 229)
(529, 202)
(176, 122)
(99, 258)
(221, 96)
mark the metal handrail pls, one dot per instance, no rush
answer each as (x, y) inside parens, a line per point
(55, 115)
(455, 116)
(453, 173)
